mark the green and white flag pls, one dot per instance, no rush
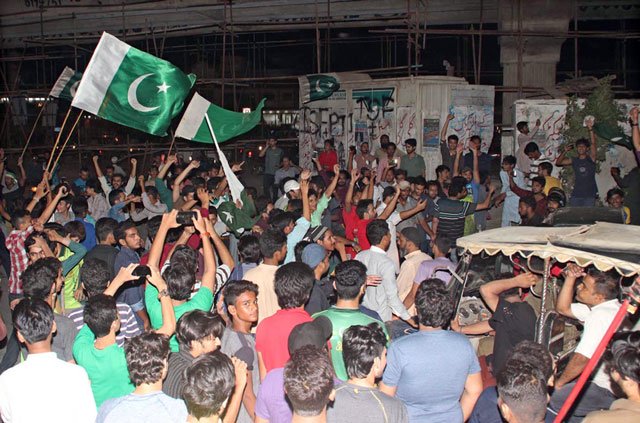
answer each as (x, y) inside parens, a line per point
(66, 85)
(226, 124)
(318, 86)
(133, 88)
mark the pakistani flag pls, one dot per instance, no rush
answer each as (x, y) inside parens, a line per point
(66, 85)
(133, 88)
(226, 124)
(318, 86)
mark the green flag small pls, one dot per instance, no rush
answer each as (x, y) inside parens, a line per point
(133, 88)
(318, 86)
(66, 85)
(226, 124)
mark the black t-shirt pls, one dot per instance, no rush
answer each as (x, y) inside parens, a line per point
(105, 253)
(513, 323)
(451, 215)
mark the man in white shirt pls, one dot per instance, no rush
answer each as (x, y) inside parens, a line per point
(383, 298)
(596, 307)
(61, 390)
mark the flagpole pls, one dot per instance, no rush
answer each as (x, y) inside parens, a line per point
(235, 186)
(24, 150)
(173, 140)
(66, 140)
(58, 138)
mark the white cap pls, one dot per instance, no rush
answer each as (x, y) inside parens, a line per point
(291, 186)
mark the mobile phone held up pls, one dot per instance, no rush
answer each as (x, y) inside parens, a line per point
(185, 218)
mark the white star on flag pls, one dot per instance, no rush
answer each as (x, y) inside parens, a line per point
(229, 216)
(163, 88)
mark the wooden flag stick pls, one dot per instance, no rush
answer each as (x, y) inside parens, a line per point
(58, 139)
(66, 141)
(173, 140)
(32, 131)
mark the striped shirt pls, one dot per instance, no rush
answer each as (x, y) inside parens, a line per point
(19, 257)
(451, 215)
(128, 324)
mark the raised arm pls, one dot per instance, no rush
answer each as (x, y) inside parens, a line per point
(391, 206)
(125, 274)
(593, 150)
(476, 168)
(209, 275)
(535, 129)
(183, 175)
(131, 183)
(352, 154)
(445, 127)
(41, 192)
(563, 304)
(352, 183)
(96, 166)
(171, 160)
(491, 292)
(304, 191)
(51, 207)
(562, 159)
(635, 132)
(168, 315)
(223, 252)
(422, 204)
(456, 162)
(23, 175)
(486, 204)
(263, 152)
(334, 182)
(168, 222)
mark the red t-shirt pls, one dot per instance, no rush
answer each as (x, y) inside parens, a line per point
(361, 233)
(328, 159)
(354, 227)
(272, 336)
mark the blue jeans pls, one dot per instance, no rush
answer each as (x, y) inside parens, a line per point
(582, 202)
(592, 398)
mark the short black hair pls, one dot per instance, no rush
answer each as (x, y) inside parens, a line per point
(420, 180)
(293, 282)
(349, 278)
(33, 318)
(147, 356)
(196, 325)
(509, 160)
(376, 230)
(94, 184)
(104, 227)
(530, 201)
(121, 230)
(39, 277)
(623, 355)
(113, 196)
(208, 383)
(523, 389)
(31, 240)
(614, 191)
(458, 183)
(535, 354)
(362, 207)
(531, 148)
(606, 283)
(180, 280)
(540, 180)
(453, 137)
(583, 141)
(548, 166)
(434, 303)
(281, 220)
(443, 168)
(388, 192)
(520, 125)
(360, 346)
(80, 207)
(185, 256)
(233, 289)
(271, 242)
(18, 217)
(443, 243)
(308, 380)
(95, 276)
(99, 314)
(249, 249)
(76, 229)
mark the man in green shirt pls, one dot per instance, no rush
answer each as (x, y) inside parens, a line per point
(95, 347)
(412, 162)
(181, 279)
(350, 280)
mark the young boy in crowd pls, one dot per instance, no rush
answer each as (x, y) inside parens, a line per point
(615, 199)
(146, 357)
(293, 283)
(545, 169)
(365, 357)
(241, 299)
(308, 382)
(350, 284)
(62, 389)
(198, 333)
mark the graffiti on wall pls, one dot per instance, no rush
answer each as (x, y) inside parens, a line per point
(472, 108)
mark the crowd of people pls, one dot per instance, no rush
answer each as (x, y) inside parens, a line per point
(158, 296)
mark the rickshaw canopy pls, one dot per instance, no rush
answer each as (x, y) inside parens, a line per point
(604, 245)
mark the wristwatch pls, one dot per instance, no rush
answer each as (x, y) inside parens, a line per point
(163, 293)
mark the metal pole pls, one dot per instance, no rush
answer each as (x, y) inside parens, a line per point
(233, 57)
(543, 301)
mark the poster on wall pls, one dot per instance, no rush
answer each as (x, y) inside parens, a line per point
(373, 107)
(430, 130)
(472, 108)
